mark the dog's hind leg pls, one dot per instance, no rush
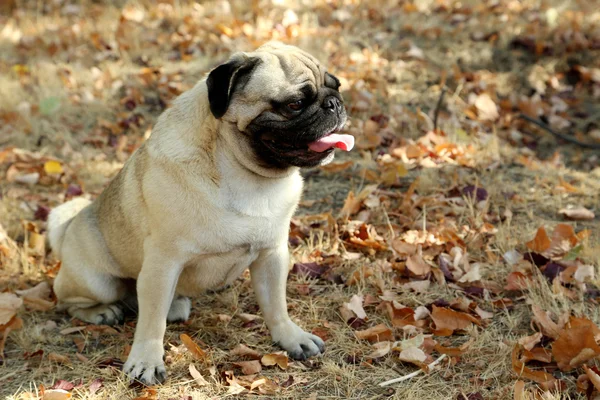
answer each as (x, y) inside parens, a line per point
(90, 296)
(85, 286)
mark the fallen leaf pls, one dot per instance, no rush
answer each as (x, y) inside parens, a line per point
(355, 305)
(56, 394)
(413, 355)
(575, 345)
(53, 167)
(311, 270)
(529, 342)
(193, 347)
(454, 351)
(377, 333)
(380, 349)
(275, 358)
(59, 358)
(198, 378)
(540, 242)
(523, 371)
(536, 354)
(249, 367)
(41, 291)
(63, 384)
(242, 350)
(473, 275)
(487, 110)
(417, 265)
(95, 386)
(9, 305)
(519, 391)
(548, 327)
(445, 318)
(578, 214)
(594, 377)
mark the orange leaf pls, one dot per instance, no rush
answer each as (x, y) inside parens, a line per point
(525, 372)
(519, 390)
(192, 347)
(594, 377)
(575, 345)
(541, 242)
(271, 359)
(378, 333)
(446, 318)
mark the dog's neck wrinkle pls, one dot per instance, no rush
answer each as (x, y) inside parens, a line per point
(237, 145)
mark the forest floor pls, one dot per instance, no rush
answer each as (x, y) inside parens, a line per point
(456, 232)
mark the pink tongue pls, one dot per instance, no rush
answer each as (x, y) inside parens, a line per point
(344, 142)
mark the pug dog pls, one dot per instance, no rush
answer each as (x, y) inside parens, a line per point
(209, 194)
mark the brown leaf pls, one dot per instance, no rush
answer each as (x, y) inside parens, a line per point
(540, 242)
(454, 351)
(548, 327)
(519, 391)
(249, 367)
(529, 342)
(403, 248)
(575, 345)
(377, 333)
(41, 291)
(417, 265)
(445, 318)
(536, 354)
(526, 372)
(275, 358)
(244, 351)
(578, 214)
(193, 347)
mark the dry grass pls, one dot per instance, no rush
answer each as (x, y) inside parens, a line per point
(97, 80)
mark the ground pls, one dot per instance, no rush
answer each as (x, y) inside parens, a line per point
(454, 232)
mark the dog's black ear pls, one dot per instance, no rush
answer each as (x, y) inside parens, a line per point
(222, 82)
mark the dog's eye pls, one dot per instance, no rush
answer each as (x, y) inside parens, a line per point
(296, 106)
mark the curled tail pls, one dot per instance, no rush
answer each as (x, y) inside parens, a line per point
(59, 220)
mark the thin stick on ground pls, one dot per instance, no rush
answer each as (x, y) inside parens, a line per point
(438, 106)
(412, 374)
(557, 134)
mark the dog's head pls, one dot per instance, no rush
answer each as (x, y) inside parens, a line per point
(284, 104)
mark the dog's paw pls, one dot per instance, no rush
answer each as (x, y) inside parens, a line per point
(180, 309)
(103, 314)
(145, 363)
(299, 344)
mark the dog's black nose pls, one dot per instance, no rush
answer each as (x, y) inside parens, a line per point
(332, 103)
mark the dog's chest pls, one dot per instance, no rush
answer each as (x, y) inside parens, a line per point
(248, 218)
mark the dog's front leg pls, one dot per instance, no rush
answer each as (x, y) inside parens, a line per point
(155, 290)
(269, 275)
